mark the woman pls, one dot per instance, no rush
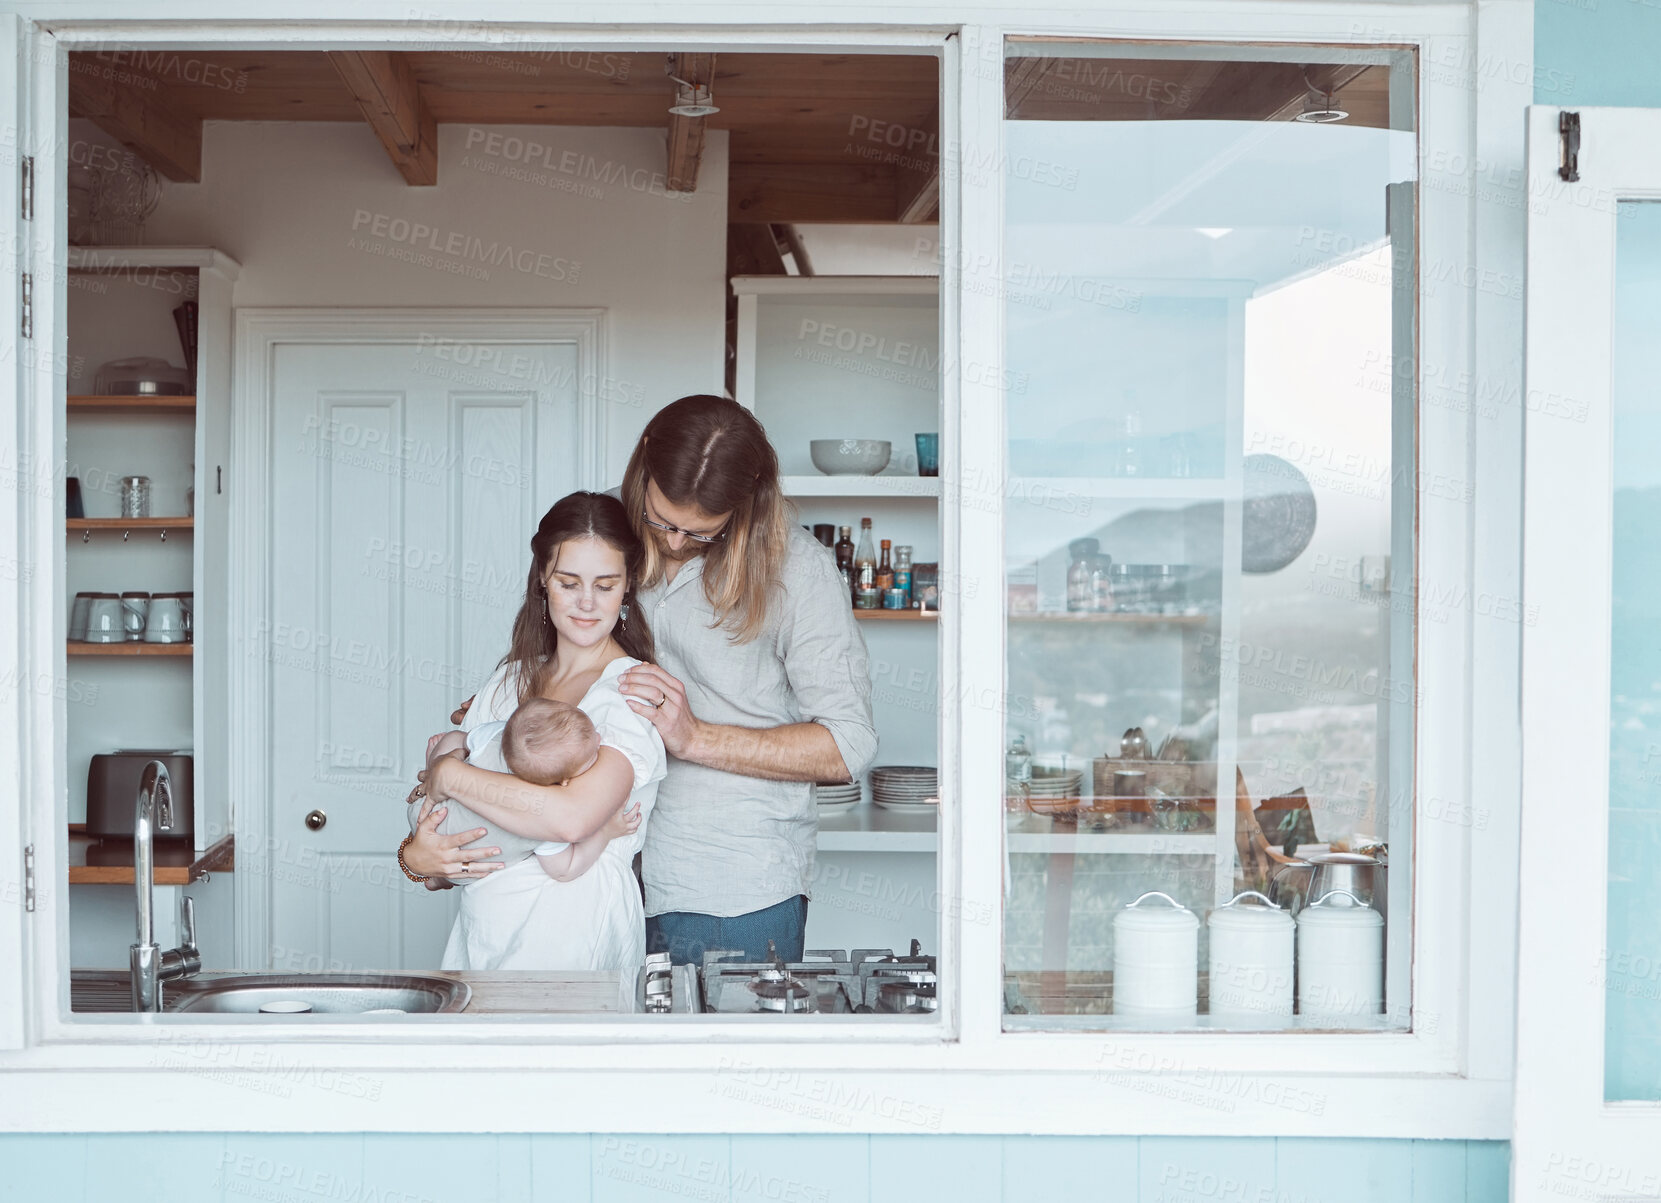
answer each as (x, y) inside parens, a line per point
(575, 634)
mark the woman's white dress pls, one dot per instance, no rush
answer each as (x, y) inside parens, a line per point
(519, 917)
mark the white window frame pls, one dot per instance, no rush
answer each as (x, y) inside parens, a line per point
(1570, 1141)
(1447, 1078)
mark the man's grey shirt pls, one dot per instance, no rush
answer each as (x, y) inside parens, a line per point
(723, 844)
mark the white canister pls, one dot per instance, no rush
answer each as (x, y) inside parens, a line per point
(1156, 957)
(1251, 962)
(1340, 959)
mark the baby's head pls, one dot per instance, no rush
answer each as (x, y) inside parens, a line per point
(548, 742)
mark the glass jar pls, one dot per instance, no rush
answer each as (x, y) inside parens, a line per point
(1101, 584)
(1079, 590)
(135, 496)
(1017, 775)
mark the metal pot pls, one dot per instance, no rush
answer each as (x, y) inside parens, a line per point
(1297, 884)
(1353, 873)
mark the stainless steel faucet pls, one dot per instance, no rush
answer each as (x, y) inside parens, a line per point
(151, 966)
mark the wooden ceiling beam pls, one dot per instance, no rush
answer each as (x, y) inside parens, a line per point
(386, 90)
(791, 240)
(753, 250)
(168, 141)
(917, 180)
(805, 193)
(686, 134)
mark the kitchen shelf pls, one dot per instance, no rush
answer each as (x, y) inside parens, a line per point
(97, 404)
(1038, 833)
(868, 828)
(1180, 620)
(885, 487)
(79, 647)
(1126, 488)
(184, 868)
(897, 615)
(180, 522)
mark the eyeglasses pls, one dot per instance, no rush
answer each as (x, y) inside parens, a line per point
(675, 530)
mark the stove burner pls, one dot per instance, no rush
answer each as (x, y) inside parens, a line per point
(776, 991)
(907, 998)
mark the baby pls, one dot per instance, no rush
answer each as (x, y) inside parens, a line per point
(544, 742)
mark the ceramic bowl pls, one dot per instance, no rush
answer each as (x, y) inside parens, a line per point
(850, 457)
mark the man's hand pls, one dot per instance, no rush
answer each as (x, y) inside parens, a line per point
(662, 699)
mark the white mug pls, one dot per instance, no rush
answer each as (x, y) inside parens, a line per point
(78, 615)
(105, 620)
(135, 609)
(167, 620)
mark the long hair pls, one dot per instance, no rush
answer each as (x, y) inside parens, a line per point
(711, 453)
(534, 642)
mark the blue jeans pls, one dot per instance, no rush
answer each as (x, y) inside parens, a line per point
(685, 935)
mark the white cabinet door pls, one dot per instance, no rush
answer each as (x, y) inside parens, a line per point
(405, 487)
(1588, 1091)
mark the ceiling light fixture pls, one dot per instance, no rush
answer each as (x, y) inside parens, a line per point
(692, 100)
(1320, 105)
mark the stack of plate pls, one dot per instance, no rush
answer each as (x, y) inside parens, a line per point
(907, 788)
(836, 797)
(1055, 790)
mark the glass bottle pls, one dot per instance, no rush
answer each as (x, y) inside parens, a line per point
(902, 570)
(885, 567)
(845, 560)
(1101, 583)
(1130, 452)
(845, 550)
(1017, 775)
(1079, 590)
(865, 570)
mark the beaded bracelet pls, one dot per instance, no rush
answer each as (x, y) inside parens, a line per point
(413, 876)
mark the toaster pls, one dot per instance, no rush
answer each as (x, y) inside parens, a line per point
(112, 792)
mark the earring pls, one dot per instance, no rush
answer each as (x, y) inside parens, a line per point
(623, 615)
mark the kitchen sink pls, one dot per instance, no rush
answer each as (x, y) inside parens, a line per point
(284, 995)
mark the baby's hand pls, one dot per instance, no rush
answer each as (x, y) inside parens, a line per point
(623, 823)
(447, 743)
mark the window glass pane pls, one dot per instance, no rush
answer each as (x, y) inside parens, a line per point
(1209, 541)
(1632, 956)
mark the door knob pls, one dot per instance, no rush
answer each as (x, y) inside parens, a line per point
(316, 819)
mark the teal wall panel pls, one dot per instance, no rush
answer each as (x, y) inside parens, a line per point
(418, 1168)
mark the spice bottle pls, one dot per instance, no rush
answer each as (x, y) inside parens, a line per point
(885, 568)
(902, 571)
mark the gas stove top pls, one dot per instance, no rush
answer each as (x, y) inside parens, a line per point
(866, 981)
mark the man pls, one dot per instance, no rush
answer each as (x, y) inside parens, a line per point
(761, 685)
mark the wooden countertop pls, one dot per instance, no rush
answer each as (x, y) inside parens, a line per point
(110, 862)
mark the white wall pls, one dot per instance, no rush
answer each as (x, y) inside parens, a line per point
(298, 204)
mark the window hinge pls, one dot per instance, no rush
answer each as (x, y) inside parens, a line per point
(29, 877)
(26, 323)
(1568, 129)
(28, 188)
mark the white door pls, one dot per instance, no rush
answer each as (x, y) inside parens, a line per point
(1588, 1092)
(407, 474)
